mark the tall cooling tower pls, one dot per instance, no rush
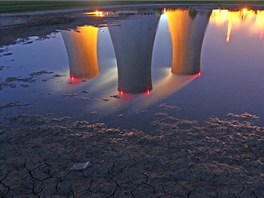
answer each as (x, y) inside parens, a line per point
(133, 40)
(187, 29)
(81, 47)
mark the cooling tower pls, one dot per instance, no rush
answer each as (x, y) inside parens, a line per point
(81, 46)
(187, 29)
(133, 40)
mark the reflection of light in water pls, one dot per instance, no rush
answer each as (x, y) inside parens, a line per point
(166, 87)
(164, 12)
(73, 79)
(81, 47)
(133, 44)
(121, 93)
(105, 82)
(163, 88)
(187, 32)
(236, 19)
(259, 24)
(96, 13)
(228, 32)
(187, 29)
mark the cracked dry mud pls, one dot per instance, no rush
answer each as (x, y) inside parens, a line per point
(220, 158)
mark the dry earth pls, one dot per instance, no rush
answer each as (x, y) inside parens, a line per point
(220, 158)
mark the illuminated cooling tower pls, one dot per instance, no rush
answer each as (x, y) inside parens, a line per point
(81, 47)
(187, 29)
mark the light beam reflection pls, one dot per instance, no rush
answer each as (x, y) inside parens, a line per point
(167, 86)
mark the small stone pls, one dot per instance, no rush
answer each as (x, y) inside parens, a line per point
(120, 115)
(105, 99)
(81, 166)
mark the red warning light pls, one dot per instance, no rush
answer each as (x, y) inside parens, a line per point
(72, 78)
(121, 93)
(147, 92)
(199, 74)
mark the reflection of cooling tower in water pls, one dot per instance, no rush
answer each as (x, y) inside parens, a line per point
(81, 47)
(187, 29)
(133, 42)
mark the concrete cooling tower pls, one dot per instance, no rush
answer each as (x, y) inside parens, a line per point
(133, 40)
(81, 47)
(187, 29)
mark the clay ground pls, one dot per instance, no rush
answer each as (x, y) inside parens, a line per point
(219, 158)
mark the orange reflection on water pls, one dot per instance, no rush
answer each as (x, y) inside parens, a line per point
(81, 47)
(259, 24)
(179, 26)
(187, 29)
(253, 20)
(96, 13)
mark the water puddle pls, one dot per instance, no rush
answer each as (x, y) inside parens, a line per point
(123, 67)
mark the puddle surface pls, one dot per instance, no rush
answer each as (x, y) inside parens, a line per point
(190, 63)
